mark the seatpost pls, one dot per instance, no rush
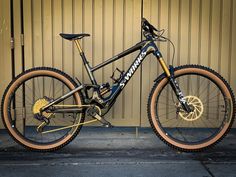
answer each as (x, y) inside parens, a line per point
(78, 46)
(81, 51)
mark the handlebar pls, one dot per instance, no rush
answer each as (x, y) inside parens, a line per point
(149, 30)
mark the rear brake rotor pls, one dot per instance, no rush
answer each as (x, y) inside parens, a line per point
(40, 103)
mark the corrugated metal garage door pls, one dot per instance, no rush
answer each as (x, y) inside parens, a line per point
(204, 32)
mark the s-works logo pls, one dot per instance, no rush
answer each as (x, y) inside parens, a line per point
(133, 68)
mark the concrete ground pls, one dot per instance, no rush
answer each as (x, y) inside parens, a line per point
(117, 152)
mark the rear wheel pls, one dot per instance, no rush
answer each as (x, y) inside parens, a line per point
(210, 98)
(21, 104)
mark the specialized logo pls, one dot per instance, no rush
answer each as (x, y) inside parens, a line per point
(133, 68)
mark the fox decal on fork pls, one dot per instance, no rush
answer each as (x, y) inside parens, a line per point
(190, 107)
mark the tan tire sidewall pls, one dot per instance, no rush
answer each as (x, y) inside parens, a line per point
(153, 109)
(6, 101)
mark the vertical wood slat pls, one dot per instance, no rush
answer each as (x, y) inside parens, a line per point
(128, 39)
(37, 33)
(136, 81)
(88, 28)
(108, 42)
(98, 37)
(47, 32)
(67, 28)
(118, 46)
(57, 51)
(5, 47)
(225, 55)
(77, 26)
(17, 36)
(145, 67)
(28, 33)
(233, 51)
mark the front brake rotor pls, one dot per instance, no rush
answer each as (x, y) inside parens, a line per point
(197, 109)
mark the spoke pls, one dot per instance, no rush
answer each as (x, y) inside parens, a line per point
(58, 92)
(213, 101)
(28, 100)
(168, 120)
(50, 87)
(210, 97)
(166, 113)
(191, 85)
(198, 89)
(39, 87)
(38, 96)
(202, 90)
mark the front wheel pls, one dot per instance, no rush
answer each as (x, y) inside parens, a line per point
(210, 99)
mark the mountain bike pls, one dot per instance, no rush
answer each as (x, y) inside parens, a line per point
(190, 107)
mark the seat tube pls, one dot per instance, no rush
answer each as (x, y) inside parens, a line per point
(86, 63)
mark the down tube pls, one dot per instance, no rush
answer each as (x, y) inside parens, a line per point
(129, 73)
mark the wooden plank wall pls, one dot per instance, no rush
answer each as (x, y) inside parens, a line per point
(203, 31)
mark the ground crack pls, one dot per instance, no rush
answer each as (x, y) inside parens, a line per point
(207, 169)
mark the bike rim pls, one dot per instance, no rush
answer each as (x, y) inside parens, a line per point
(30, 137)
(191, 134)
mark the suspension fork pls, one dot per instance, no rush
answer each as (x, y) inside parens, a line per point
(174, 84)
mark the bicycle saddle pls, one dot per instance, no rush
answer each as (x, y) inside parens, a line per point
(73, 36)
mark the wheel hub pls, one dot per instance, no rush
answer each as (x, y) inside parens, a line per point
(195, 105)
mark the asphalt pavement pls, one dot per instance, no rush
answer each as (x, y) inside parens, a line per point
(117, 152)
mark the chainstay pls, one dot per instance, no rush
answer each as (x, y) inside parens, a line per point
(70, 126)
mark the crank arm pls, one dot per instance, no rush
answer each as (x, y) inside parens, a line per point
(104, 122)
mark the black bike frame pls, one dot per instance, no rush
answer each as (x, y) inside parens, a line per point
(146, 47)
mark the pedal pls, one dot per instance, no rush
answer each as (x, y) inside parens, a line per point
(104, 122)
(92, 112)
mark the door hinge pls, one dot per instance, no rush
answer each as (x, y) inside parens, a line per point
(22, 39)
(12, 42)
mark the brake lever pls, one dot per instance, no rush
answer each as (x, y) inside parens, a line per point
(161, 40)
